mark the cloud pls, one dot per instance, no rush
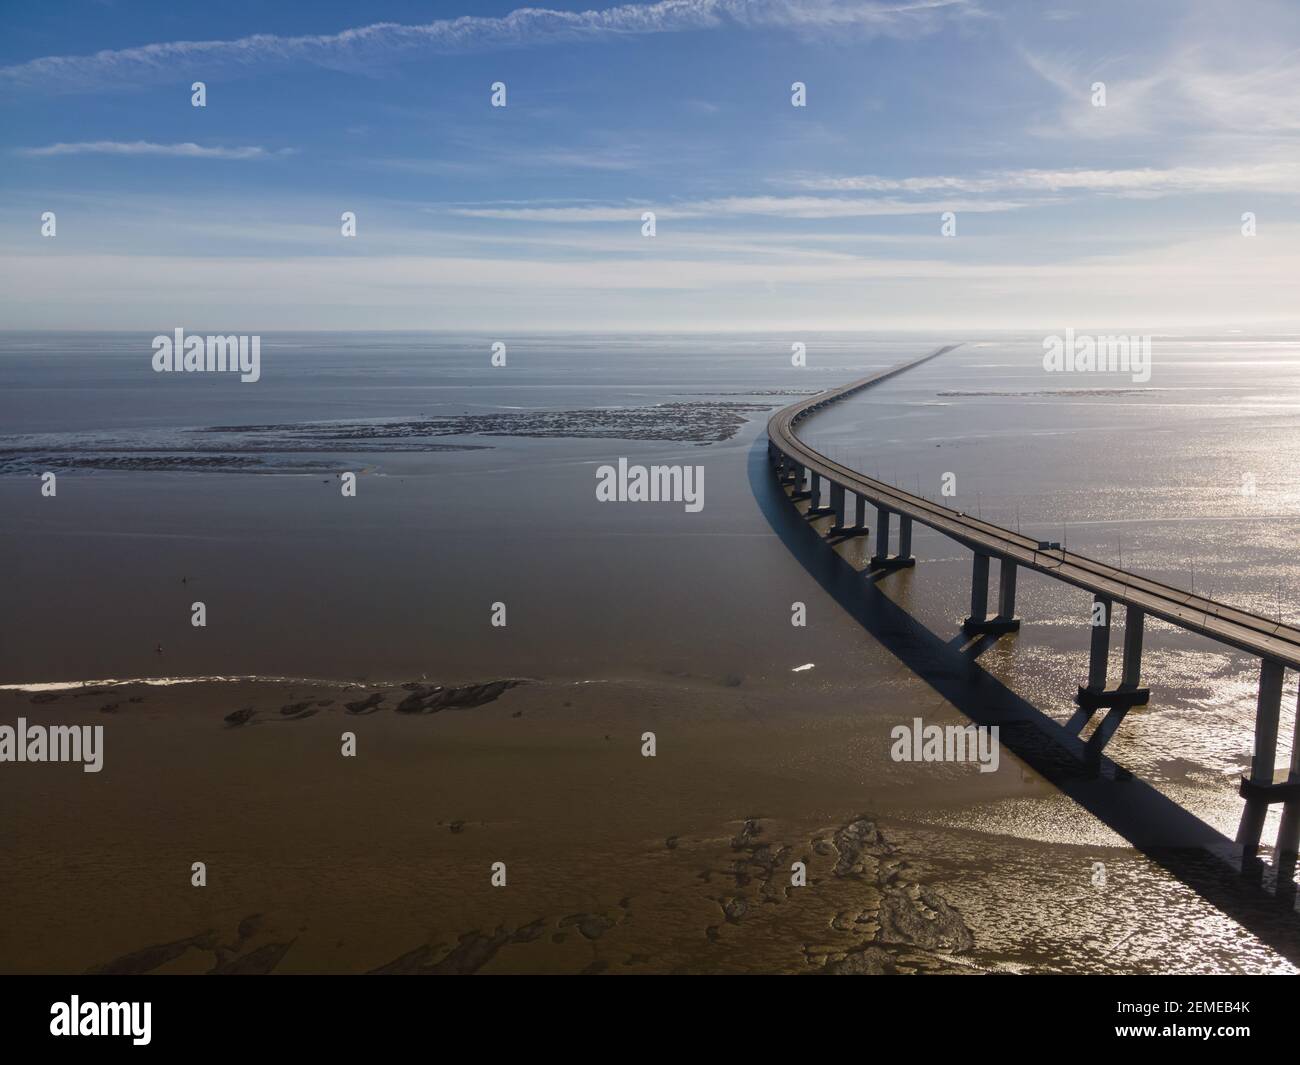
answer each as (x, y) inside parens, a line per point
(1280, 175)
(187, 150)
(807, 207)
(1219, 80)
(367, 47)
(487, 160)
(161, 222)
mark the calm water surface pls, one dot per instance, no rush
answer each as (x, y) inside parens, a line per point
(1190, 477)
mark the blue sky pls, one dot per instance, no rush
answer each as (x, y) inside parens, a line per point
(768, 216)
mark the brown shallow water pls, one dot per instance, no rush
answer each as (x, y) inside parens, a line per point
(623, 619)
(615, 862)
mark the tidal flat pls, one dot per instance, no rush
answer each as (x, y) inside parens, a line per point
(382, 861)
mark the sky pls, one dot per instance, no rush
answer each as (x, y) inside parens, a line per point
(768, 216)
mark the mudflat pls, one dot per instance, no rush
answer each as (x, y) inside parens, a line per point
(382, 861)
(770, 832)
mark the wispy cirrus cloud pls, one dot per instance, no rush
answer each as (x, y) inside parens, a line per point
(1211, 84)
(610, 159)
(805, 207)
(1278, 175)
(366, 47)
(186, 150)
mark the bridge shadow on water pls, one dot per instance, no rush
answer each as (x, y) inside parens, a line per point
(1195, 853)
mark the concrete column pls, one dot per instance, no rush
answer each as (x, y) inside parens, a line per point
(1133, 621)
(979, 620)
(862, 511)
(1006, 588)
(1268, 712)
(882, 533)
(1099, 651)
(979, 588)
(837, 504)
(904, 536)
(815, 491)
(1288, 834)
(1267, 716)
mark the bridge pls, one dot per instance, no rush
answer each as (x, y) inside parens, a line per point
(813, 476)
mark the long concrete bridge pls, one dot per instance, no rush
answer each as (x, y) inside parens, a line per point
(817, 478)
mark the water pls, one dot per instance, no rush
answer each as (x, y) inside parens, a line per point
(400, 580)
(476, 487)
(1183, 477)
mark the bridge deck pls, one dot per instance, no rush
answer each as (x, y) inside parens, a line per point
(1238, 628)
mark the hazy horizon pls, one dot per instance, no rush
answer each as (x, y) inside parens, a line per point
(1209, 329)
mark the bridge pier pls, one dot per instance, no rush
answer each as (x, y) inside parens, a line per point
(1099, 648)
(1007, 588)
(841, 500)
(1288, 833)
(882, 559)
(1095, 693)
(837, 507)
(1005, 620)
(979, 588)
(1134, 621)
(1258, 789)
(799, 491)
(815, 504)
(882, 535)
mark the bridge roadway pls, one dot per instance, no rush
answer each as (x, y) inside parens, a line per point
(1277, 645)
